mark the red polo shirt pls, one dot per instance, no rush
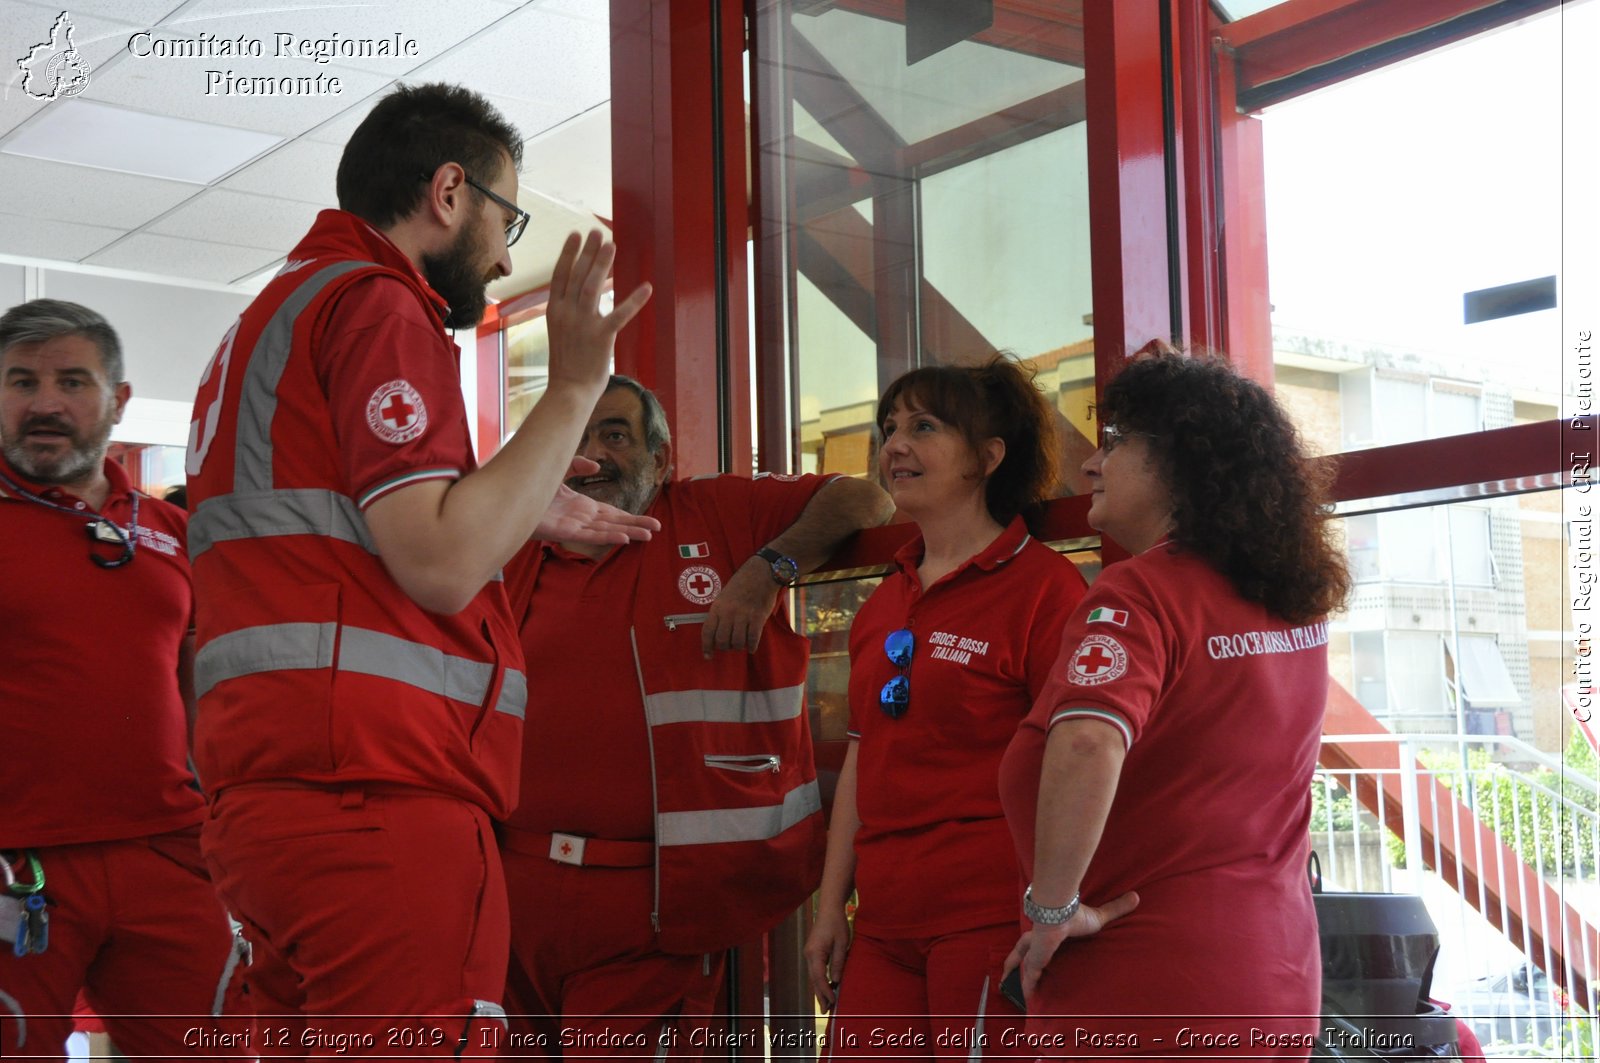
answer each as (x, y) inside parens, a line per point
(933, 854)
(95, 746)
(396, 405)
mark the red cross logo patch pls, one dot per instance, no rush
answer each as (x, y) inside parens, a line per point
(700, 584)
(395, 413)
(1098, 659)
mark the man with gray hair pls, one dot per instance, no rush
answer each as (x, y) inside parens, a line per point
(669, 807)
(103, 887)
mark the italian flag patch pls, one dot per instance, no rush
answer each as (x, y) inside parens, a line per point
(1103, 615)
(694, 549)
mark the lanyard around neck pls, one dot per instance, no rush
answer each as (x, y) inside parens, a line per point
(100, 529)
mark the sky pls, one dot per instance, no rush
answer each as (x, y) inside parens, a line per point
(1392, 194)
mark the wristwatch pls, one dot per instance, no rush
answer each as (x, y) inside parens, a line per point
(1042, 916)
(785, 570)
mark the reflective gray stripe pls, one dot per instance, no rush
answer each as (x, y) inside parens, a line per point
(739, 824)
(370, 652)
(281, 647)
(236, 952)
(258, 394)
(268, 648)
(488, 1009)
(724, 706)
(301, 511)
(513, 694)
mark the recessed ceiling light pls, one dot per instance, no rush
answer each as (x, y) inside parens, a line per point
(85, 133)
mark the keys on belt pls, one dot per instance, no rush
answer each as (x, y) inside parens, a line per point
(24, 909)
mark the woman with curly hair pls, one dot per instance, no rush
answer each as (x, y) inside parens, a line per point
(1164, 774)
(945, 659)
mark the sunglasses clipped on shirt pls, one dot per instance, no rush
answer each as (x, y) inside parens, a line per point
(895, 697)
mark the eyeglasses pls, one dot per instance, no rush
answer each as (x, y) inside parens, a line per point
(1111, 437)
(518, 223)
(895, 697)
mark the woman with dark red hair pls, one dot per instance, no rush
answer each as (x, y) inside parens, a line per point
(1164, 774)
(945, 659)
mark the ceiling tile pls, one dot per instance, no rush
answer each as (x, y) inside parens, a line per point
(63, 241)
(541, 53)
(339, 129)
(138, 13)
(285, 34)
(302, 170)
(98, 39)
(172, 256)
(531, 117)
(239, 217)
(572, 162)
(58, 192)
(200, 89)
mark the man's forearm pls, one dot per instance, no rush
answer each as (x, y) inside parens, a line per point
(837, 511)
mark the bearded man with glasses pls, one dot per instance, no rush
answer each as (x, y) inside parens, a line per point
(669, 805)
(103, 887)
(360, 685)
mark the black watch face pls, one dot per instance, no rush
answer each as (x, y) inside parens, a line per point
(786, 570)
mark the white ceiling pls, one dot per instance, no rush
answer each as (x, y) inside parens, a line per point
(544, 63)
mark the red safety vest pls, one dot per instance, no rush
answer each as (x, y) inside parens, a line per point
(739, 831)
(312, 664)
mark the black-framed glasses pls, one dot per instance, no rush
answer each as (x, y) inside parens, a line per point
(519, 220)
(895, 697)
(1112, 437)
(517, 224)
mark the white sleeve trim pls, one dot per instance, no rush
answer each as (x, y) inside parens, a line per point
(1103, 715)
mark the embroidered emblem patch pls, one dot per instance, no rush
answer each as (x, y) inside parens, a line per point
(1098, 659)
(693, 550)
(700, 584)
(395, 413)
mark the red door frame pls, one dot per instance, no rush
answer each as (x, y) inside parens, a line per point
(682, 216)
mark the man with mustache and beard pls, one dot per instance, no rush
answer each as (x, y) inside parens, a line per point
(669, 806)
(101, 810)
(360, 684)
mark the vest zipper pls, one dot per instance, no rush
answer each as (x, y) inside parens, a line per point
(743, 761)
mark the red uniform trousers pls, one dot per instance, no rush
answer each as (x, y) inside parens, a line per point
(377, 918)
(138, 927)
(926, 998)
(586, 977)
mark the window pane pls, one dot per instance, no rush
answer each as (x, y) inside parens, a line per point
(1373, 249)
(927, 211)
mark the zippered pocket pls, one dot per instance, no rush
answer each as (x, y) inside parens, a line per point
(751, 762)
(675, 620)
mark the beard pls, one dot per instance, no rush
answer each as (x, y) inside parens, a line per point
(85, 454)
(631, 490)
(451, 275)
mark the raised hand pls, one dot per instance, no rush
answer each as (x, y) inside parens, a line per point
(581, 337)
